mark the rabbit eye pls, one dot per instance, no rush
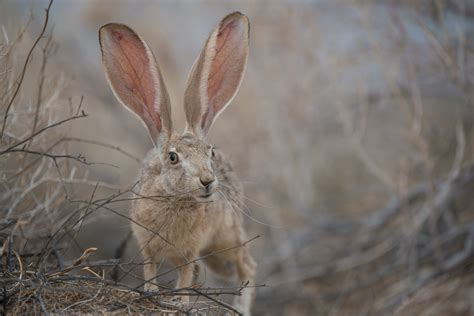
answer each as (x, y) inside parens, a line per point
(213, 153)
(173, 157)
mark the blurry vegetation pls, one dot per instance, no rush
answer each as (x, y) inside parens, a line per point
(352, 133)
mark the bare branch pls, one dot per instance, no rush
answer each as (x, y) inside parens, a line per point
(22, 76)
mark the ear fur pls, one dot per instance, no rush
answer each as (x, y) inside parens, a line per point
(135, 78)
(217, 73)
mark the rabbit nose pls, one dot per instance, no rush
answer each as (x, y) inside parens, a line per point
(206, 180)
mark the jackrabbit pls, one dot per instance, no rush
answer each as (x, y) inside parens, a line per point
(190, 198)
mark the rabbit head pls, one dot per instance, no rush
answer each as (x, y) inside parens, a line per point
(183, 163)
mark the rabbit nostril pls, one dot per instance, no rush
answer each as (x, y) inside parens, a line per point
(206, 181)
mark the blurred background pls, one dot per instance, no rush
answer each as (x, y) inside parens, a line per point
(352, 133)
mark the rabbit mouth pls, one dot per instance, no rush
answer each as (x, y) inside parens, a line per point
(205, 197)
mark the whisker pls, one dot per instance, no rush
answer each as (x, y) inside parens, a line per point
(258, 203)
(220, 173)
(246, 197)
(228, 202)
(248, 215)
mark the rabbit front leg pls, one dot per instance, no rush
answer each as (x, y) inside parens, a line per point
(149, 273)
(246, 268)
(150, 254)
(185, 275)
(185, 279)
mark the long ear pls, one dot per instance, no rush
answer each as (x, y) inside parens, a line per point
(217, 73)
(134, 76)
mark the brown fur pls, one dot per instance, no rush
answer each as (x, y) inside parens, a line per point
(189, 206)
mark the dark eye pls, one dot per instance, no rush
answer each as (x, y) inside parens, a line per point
(173, 157)
(213, 153)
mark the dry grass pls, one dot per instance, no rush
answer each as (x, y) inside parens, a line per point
(28, 290)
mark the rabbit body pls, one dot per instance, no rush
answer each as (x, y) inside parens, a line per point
(177, 227)
(189, 200)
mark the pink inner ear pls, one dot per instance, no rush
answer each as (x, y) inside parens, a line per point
(117, 35)
(226, 68)
(130, 73)
(227, 43)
